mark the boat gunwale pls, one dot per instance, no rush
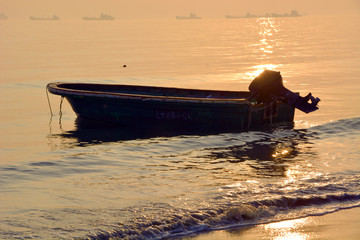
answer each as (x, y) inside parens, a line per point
(55, 88)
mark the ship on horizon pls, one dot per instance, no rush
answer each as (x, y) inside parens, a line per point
(3, 16)
(191, 16)
(54, 17)
(102, 17)
(294, 13)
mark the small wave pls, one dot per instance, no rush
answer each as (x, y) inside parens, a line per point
(305, 197)
(339, 127)
(176, 222)
(292, 203)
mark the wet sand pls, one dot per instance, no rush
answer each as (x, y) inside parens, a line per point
(343, 224)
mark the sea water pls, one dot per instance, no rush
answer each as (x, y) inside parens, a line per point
(60, 179)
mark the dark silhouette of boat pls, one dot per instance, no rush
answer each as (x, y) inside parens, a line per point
(191, 16)
(54, 17)
(129, 105)
(268, 101)
(104, 17)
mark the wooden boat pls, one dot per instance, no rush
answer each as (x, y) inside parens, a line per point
(165, 107)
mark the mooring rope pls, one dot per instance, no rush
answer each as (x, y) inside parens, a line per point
(264, 107)
(47, 95)
(60, 110)
(269, 105)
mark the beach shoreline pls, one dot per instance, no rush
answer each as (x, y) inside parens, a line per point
(342, 224)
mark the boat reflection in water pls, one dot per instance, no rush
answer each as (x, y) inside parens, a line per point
(92, 132)
(264, 151)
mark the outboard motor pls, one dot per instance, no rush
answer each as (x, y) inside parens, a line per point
(268, 86)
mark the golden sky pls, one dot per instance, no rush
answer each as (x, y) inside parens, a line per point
(171, 8)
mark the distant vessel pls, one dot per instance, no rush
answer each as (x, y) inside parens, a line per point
(294, 13)
(102, 17)
(248, 15)
(54, 17)
(3, 16)
(191, 16)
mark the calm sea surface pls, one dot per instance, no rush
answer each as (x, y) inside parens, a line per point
(62, 180)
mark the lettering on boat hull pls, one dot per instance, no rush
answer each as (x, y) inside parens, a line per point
(171, 115)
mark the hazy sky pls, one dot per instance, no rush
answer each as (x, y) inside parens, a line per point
(171, 8)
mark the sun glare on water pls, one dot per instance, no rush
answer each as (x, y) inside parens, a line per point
(290, 229)
(256, 70)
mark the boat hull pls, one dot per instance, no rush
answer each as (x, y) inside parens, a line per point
(175, 112)
(165, 114)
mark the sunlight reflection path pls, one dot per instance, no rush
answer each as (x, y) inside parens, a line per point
(265, 46)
